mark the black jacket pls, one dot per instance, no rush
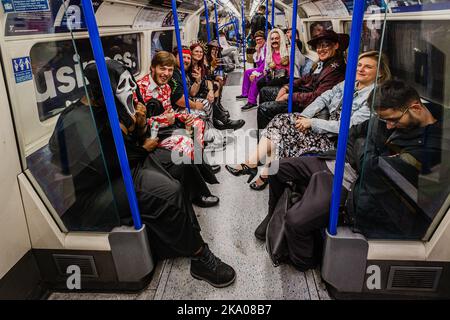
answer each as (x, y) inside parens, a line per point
(386, 200)
(258, 23)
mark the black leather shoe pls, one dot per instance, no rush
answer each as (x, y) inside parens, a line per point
(260, 232)
(206, 201)
(249, 106)
(211, 269)
(241, 97)
(230, 124)
(216, 168)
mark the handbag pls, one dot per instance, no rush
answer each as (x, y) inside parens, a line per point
(276, 245)
(277, 74)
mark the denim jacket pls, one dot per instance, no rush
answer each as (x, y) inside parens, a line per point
(331, 100)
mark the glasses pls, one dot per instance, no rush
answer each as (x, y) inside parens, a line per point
(394, 122)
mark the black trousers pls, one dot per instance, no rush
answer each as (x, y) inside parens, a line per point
(166, 210)
(306, 217)
(193, 177)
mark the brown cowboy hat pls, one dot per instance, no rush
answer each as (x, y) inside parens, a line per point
(342, 38)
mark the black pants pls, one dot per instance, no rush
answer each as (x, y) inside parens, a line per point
(193, 177)
(268, 110)
(166, 210)
(306, 217)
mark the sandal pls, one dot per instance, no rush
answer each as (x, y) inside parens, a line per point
(257, 187)
(245, 170)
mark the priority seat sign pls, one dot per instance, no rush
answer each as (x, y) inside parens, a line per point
(25, 5)
(22, 69)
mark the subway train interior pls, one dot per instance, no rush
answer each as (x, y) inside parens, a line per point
(85, 219)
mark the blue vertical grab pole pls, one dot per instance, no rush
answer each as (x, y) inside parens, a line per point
(180, 53)
(217, 22)
(108, 95)
(208, 29)
(244, 36)
(292, 57)
(273, 14)
(267, 18)
(349, 87)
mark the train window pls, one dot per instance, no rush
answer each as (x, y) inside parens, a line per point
(57, 70)
(318, 26)
(78, 171)
(162, 41)
(371, 34)
(415, 53)
(403, 189)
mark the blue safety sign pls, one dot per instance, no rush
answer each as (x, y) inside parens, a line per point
(22, 69)
(25, 5)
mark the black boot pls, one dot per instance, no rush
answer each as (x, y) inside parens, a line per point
(211, 269)
(220, 105)
(260, 232)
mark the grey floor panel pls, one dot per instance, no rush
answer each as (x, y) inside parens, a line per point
(228, 229)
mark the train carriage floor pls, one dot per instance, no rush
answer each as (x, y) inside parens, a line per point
(228, 229)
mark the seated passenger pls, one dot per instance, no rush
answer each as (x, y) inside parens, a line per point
(172, 226)
(303, 64)
(155, 85)
(216, 74)
(406, 133)
(251, 76)
(202, 108)
(229, 51)
(292, 135)
(276, 68)
(329, 71)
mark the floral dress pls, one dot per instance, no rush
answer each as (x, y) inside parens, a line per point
(176, 142)
(291, 142)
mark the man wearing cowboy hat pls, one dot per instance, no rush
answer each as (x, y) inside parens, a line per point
(326, 73)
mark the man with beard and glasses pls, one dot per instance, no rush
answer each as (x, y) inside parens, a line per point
(83, 148)
(405, 134)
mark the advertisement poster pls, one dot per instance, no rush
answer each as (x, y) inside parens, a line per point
(332, 8)
(57, 69)
(168, 20)
(60, 16)
(371, 6)
(25, 5)
(149, 18)
(416, 5)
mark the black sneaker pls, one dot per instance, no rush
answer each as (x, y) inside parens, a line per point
(241, 97)
(249, 106)
(211, 269)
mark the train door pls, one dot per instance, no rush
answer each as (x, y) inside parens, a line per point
(70, 230)
(19, 274)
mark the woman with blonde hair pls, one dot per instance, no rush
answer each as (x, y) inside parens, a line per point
(296, 134)
(276, 65)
